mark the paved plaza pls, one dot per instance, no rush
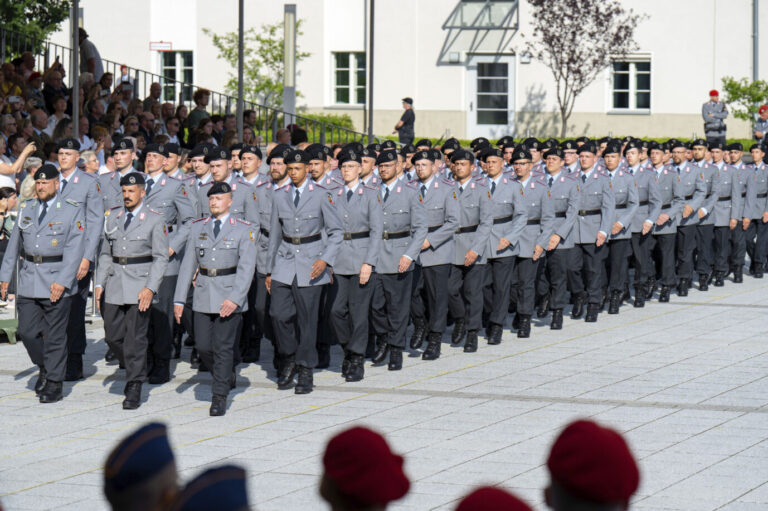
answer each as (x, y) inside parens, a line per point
(686, 382)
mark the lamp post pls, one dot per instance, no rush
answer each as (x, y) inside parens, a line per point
(289, 60)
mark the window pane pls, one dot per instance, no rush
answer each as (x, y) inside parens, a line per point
(360, 78)
(186, 57)
(187, 92)
(342, 60)
(360, 95)
(643, 81)
(498, 101)
(360, 60)
(168, 92)
(342, 77)
(643, 66)
(620, 81)
(643, 99)
(188, 76)
(170, 73)
(491, 117)
(489, 69)
(621, 66)
(491, 85)
(621, 100)
(169, 59)
(342, 95)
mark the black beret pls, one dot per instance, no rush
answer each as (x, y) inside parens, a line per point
(173, 148)
(296, 156)
(156, 148)
(462, 154)
(423, 155)
(643, 143)
(123, 143)
(755, 146)
(70, 143)
(717, 145)
(477, 141)
(491, 151)
(424, 142)
(408, 100)
(279, 151)
(217, 154)
(388, 144)
(736, 146)
(481, 146)
(588, 147)
(316, 153)
(532, 143)
(583, 140)
(603, 140)
(555, 151)
(355, 146)
(218, 188)
(521, 154)
(349, 155)
(253, 149)
(386, 156)
(550, 143)
(699, 142)
(612, 148)
(674, 144)
(201, 150)
(367, 153)
(510, 145)
(505, 140)
(132, 178)
(236, 147)
(451, 144)
(633, 144)
(408, 149)
(47, 171)
(655, 146)
(626, 139)
(436, 154)
(569, 145)
(374, 148)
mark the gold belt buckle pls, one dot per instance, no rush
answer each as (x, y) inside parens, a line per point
(385, 235)
(211, 272)
(37, 259)
(347, 236)
(296, 240)
(122, 260)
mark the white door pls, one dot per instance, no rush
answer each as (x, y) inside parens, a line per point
(490, 105)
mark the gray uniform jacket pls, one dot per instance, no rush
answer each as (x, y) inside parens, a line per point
(509, 217)
(761, 126)
(146, 236)
(403, 217)
(111, 192)
(265, 190)
(540, 219)
(170, 198)
(714, 115)
(61, 233)
(314, 215)
(359, 215)
(597, 207)
(83, 188)
(649, 197)
(565, 199)
(743, 175)
(757, 190)
(726, 192)
(694, 190)
(441, 209)
(671, 191)
(627, 201)
(475, 222)
(243, 201)
(234, 247)
(707, 173)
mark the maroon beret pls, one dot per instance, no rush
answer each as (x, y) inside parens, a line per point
(491, 499)
(593, 463)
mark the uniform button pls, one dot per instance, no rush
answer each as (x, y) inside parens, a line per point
(297, 251)
(213, 258)
(37, 246)
(214, 250)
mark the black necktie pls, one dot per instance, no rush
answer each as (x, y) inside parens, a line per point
(150, 182)
(678, 170)
(550, 181)
(296, 198)
(493, 187)
(128, 219)
(63, 184)
(583, 178)
(216, 228)
(461, 190)
(42, 213)
(349, 195)
(423, 191)
(386, 193)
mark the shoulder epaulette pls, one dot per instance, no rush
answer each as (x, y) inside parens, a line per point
(369, 187)
(153, 211)
(412, 184)
(72, 202)
(317, 185)
(198, 220)
(246, 222)
(209, 183)
(572, 176)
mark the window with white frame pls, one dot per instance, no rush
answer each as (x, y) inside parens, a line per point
(349, 78)
(631, 85)
(177, 66)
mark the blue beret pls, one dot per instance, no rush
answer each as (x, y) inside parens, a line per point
(221, 488)
(137, 458)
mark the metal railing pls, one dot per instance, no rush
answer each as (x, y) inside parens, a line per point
(268, 119)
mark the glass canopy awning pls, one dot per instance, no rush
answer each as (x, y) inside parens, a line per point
(479, 26)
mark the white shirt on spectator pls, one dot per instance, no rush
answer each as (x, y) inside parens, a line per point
(52, 122)
(88, 50)
(7, 180)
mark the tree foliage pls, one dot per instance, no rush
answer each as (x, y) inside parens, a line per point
(34, 19)
(263, 67)
(744, 96)
(577, 40)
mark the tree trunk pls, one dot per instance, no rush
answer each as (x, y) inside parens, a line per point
(563, 124)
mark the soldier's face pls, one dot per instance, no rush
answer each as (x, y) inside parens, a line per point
(219, 203)
(717, 155)
(171, 162)
(587, 160)
(408, 161)
(611, 161)
(132, 195)
(350, 171)
(699, 152)
(236, 164)
(735, 156)
(154, 162)
(493, 166)
(199, 167)
(297, 172)
(508, 152)
(68, 159)
(277, 169)
(123, 158)
(220, 169)
(570, 156)
(423, 169)
(657, 157)
(251, 163)
(367, 167)
(757, 155)
(522, 169)
(678, 155)
(46, 188)
(398, 166)
(535, 155)
(387, 171)
(553, 163)
(633, 157)
(462, 169)
(316, 169)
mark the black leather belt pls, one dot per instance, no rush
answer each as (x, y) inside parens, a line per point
(666, 206)
(744, 194)
(723, 199)
(218, 272)
(533, 221)
(620, 206)
(560, 214)
(264, 231)
(688, 197)
(132, 260)
(642, 203)
(357, 235)
(298, 240)
(589, 212)
(503, 220)
(43, 259)
(433, 228)
(395, 235)
(466, 229)
(762, 195)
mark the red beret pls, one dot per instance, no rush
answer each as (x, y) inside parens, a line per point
(33, 75)
(713, 92)
(361, 464)
(593, 463)
(491, 499)
(763, 108)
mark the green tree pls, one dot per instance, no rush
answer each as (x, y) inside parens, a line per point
(33, 19)
(744, 96)
(262, 62)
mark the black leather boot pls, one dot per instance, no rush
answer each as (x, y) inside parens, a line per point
(683, 286)
(578, 307)
(194, 359)
(626, 296)
(304, 384)
(524, 328)
(433, 347)
(664, 294)
(516, 321)
(395, 358)
(287, 373)
(382, 349)
(419, 333)
(40, 383)
(604, 299)
(252, 351)
(494, 334)
(356, 369)
(651, 288)
(470, 345)
(703, 282)
(593, 309)
(639, 296)
(52, 392)
(613, 307)
(719, 279)
(161, 372)
(458, 332)
(110, 356)
(758, 273)
(74, 367)
(132, 395)
(345, 363)
(542, 311)
(323, 355)
(738, 274)
(177, 344)
(218, 405)
(557, 320)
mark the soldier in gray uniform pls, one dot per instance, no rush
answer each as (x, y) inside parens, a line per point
(82, 188)
(123, 153)
(727, 210)
(297, 268)
(714, 113)
(706, 227)
(441, 209)
(49, 238)
(465, 300)
(626, 197)
(221, 251)
(243, 197)
(360, 211)
(509, 219)
(738, 235)
(404, 229)
(540, 222)
(133, 258)
(594, 224)
(756, 213)
(564, 190)
(170, 198)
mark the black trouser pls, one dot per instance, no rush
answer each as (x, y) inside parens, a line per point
(641, 257)
(704, 239)
(250, 328)
(757, 241)
(215, 340)
(187, 321)
(392, 306)
(436, 287)
(557, 262)
(418, 307)
(686, 243)
(326, 334)
(525, 289)
(721, 248)
(664, 247)
(618, 261)
(42, 330)
(501, 270)
(294, 312)
(261, 307)
(465, 294)
(161, 320)
(125, 330)
(586, 276)
(76, 324)
(738, 246)
(349, 311)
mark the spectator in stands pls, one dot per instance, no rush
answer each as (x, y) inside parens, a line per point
(147, 126)
(135, 107)
(64, 129)
(95, 111)
(102, 142)
(201, 98)
(8, 127)
(229, 138)
(11, 85)
(91, 161)
(154, 96)
(35, 89)
(249, 138)
(26, 129)
(83, 127)
(166, 111)
(112, 123)
(218, 126)
(53, 89)
(27, 186)
(9, 168)
(204, 131)
(86, 81)
(90, 60)
(130, 125)
(172, 126)
(51, 151)
(57, 114)
(126, 94)
(283, 136)
(249, 118)
(27, 66)
(16, 145)
(125, 75)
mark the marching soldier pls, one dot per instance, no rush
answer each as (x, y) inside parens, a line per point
(168, 197)
(359, 209)
(133, 258)
(738, 235)
(243, 198)
(706, 227)
(297, 268)
(755, 220)
(123, 153)
(222, 250)
(727, 209)
(49, 238)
